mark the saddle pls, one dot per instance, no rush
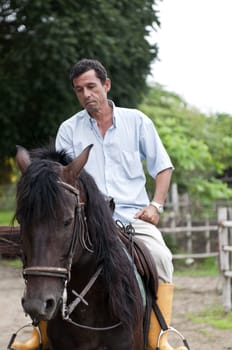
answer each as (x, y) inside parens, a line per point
(141, 256)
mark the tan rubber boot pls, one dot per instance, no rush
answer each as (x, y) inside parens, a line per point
(165, 298)
(34, 341)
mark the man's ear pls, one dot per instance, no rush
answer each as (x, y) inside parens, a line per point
(107, 84)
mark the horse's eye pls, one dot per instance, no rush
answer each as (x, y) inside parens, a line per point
(68, 222)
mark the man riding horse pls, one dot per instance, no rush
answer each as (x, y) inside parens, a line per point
(123, 138)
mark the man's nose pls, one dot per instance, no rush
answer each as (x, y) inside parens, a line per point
(86, 92)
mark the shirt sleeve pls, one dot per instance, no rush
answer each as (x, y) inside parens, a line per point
(152, 148)
(64, 140)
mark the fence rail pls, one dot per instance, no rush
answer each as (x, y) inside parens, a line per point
(9, 241)
(183, 229)
(195, 255)
(205, 233)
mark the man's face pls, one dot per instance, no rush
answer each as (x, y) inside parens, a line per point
(90, 92)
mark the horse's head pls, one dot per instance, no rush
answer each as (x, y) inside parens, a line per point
(50, 207)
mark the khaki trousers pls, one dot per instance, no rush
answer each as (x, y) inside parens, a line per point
(154, 241)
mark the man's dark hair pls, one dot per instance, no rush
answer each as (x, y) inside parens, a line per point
(85, 65)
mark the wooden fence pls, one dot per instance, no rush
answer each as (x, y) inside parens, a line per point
(225, 255)
(205, 234)
(9, 241)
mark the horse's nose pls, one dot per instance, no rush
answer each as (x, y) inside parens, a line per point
(39, 309)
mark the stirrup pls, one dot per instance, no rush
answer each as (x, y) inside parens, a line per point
(14, 335)
(171, 329)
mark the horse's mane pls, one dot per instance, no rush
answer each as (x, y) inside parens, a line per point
(40, 182)
(117, 272)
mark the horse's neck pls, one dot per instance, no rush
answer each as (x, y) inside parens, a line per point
(84, 269)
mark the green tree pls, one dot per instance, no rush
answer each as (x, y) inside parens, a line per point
(39, 42)
(199, 145)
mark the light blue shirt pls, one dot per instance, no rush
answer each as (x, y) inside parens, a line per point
(116, 161)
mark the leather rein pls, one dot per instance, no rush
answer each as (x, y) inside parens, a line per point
(65, 273)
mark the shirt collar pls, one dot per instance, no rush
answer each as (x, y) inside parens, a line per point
(92, 120)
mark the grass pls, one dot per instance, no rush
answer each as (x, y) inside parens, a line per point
(198, 267)
(6, 217)
(17, 263)
(215, 316)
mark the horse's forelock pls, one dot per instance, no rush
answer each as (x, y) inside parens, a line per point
(39, 195)
(50, 153)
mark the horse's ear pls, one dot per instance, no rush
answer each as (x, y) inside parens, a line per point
(72, 170)
(22, 158)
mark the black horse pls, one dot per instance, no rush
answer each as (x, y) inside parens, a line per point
(78, 274)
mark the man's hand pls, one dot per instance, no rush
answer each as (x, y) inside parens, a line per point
(149, 214)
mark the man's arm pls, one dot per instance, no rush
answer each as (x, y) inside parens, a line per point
(162, 183)
(63, 141)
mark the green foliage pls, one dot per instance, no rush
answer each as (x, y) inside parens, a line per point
(6, 217)
(40, 41)
(7, 197)
(199, 145)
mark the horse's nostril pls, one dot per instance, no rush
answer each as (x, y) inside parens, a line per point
(49, 304)
(39, 308)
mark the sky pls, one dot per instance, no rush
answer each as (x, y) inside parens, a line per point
(195, 52)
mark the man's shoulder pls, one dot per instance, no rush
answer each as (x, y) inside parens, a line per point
(127, 114)
(126, 110)
(74, 118)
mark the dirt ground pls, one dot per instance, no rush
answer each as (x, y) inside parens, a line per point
(192, 295)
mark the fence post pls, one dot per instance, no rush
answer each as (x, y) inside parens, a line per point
(175, 198)
(207, 236)
(224, 261)
(189, 234)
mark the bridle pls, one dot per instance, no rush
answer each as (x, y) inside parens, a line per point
(83, 236)
(65, 273)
